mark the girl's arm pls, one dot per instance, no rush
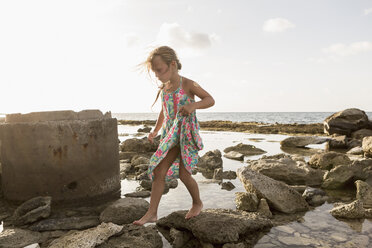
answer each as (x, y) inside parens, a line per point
(206, 99)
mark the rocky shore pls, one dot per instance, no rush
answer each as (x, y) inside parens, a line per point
(250, 127)
(278, 189)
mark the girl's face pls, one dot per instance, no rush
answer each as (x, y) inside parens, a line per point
(162, 71)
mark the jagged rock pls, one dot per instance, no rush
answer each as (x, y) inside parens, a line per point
(314, 196)
(287, 170)
(346, 122)
(234, 155)
(338, 177)
(364, 193)
(133, 236)
(367, 146)
(246, 201)
(137, 160)
(144, 130)
(245, 149)
(338, 142)
(70, 223)
(352, 210)
(302, 141)
(217, 226)
(18, 238)
(229, 174)
(139, 145)
(125, 210)
(211, 160)
(328, 160)
(88, 238)
(278, 194)
(217, 175)
(32, 210)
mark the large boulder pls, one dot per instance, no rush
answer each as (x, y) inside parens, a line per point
(346, 122)
(278, 194)
(217, 226)
(125, 210)
(246, 201)
(361, 133)
(247, 150)
(139, 145)
(284, 168)
(367, 146)
(88, 238)
(302, 141)
(328, 160)
(338, 177)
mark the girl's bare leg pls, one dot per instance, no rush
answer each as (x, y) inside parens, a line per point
(192, 187)
(157, 188)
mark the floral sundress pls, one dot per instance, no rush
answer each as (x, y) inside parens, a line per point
(177, 130)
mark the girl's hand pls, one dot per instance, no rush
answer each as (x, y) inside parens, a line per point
(152, 135)
(187, 109)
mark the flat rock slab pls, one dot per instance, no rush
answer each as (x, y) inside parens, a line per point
(245, 149)
(278, 194)
(14, 238)
(217, 226)
(125, 210)
(71, 223)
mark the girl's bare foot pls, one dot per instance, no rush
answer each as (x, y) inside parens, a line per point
(145, 219)
(194, 210)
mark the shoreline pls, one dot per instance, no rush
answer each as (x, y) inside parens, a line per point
(247, 127)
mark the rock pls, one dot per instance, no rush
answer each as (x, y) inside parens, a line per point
(86, 238)
(338, 177)
(18, 238)
(133, 236)
(338, 142)
(32, 210)
(352, 210)
(362, 169)
(245, 149)
(246, 201)
(364, 193)
(71, 223)
(264, 209)
(227, 185)
(302, 141)
(368, 213)
(147, 185)
(328, 160)
(234, 155)
(351, 143)
(144, 130)
(36, 245)
(346, 122)
(179, 238)
(278, 194)
(229, 174)
(142, 194)
(138, 145)
(217, 226)
(367, 146)
(138, 160)
(287, 170)
(314, 196)
(210, 161)
(233, 245)
(356, 151)
(361, 133)
(125, 211)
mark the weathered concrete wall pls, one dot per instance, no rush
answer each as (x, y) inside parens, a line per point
(63, 154)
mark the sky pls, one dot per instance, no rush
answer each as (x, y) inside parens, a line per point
(251, 56)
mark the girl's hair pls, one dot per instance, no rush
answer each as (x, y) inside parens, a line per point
(168, 55)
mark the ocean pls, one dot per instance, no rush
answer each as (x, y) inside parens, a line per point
(264, 117)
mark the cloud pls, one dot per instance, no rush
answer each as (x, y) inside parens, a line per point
(337, 51)
(174, 35)
(342, 50)
(276, 25)
(368, 11)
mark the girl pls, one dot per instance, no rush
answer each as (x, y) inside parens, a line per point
(177, 153)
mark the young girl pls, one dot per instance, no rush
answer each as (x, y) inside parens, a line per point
(177, 153)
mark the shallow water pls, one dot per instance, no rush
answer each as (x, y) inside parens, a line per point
(318, 227)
